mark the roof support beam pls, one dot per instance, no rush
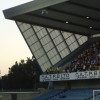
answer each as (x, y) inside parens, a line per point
(56, 25)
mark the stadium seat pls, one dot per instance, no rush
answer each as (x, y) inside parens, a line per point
(75, 94)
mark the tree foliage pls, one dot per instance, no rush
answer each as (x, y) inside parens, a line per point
(24, 75)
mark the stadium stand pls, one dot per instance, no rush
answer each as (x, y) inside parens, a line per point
(58, 33)
(89, 59)
(91, 55)
(49, 94)
(72, 94)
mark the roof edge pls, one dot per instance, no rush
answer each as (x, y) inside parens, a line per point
(29, 7)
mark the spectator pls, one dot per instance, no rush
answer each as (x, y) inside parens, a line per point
(89, 59)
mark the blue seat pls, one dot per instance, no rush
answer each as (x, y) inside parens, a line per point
(73, 94)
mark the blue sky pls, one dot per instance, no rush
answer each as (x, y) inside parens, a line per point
(12, 45)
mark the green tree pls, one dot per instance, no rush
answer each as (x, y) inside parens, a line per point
(24, 75)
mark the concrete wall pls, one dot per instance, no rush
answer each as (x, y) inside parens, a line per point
(4, 96)
(92, 83)
(21, 95)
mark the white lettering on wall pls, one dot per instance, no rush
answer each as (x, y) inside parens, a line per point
(70, 76)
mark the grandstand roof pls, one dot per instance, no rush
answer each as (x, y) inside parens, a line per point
(76, 16)
(54, 29)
